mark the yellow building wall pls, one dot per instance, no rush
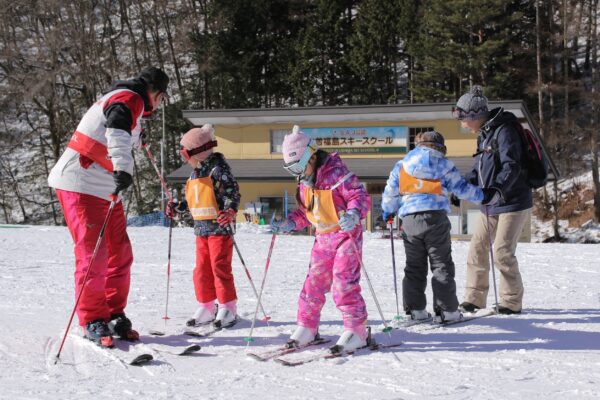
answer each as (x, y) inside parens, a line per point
(254, 141)
(251, 191)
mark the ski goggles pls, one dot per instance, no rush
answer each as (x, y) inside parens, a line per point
(296, 168)
(187, 154)
(458, 113)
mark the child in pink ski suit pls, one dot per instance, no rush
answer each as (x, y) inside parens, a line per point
(332, 199)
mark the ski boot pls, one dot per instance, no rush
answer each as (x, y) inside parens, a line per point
(225, 318)
(450, 316)
(98, 332)
(301, 337)
(351, 340)
(419, 315)
(205, 314)
(120, 326)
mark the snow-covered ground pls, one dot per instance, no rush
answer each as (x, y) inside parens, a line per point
(552, 351)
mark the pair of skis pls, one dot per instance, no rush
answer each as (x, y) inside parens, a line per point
(139, 360)
(431, 323)
(278, 353)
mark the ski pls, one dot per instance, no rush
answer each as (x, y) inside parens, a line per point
(283, 350)
(186, 351)
(329, 355)
(202, 334)
(142, 359)
(209, 332)
(109, 352)
(467, 317)
(412, 322)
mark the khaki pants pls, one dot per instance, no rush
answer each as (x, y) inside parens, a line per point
(506, 229)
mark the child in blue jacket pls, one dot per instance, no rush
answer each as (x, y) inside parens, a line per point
(417, 190)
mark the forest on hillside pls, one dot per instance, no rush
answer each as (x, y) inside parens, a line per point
(56, 58)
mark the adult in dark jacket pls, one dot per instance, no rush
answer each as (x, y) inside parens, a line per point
(498, 166)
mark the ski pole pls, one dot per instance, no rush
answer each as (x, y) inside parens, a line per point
(491, 243)
(386, 328)
(170, 196)
(262, 286)
(87, 272)
(166, 317)
(162, 180)
(239, 253)
(390, 223)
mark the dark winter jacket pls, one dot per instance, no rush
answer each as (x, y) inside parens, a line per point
(498, 163)
(227, 192)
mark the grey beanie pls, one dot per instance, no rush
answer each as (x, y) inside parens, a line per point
(431, 139)
(472, 105)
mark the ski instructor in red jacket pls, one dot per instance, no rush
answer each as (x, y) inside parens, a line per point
(96, 166)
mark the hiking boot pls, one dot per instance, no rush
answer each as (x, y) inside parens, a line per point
(467, 307)
(507, 311)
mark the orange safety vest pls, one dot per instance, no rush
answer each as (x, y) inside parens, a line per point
(411, 185)
(200, 196)
(323, 216)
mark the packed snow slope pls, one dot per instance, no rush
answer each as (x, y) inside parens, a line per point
(552, 351)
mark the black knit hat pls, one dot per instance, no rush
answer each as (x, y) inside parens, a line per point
(155, 78)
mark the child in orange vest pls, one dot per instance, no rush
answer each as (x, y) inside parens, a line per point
(212, 198)
(418, 190)
(332, 199)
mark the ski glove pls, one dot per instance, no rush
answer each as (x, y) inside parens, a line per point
(491, 196)
(455, 201)
(349, 220)
(388, 217)
(175, 209)
(122, 181)
(226, 217)
(283, 226)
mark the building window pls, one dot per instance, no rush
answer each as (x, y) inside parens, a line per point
(277, 136)
(413, 132)
(270, 205)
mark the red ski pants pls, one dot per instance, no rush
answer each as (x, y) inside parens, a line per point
(213, 278)
(107, 286)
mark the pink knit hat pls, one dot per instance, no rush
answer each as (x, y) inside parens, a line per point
(294, 145)
(197, 137)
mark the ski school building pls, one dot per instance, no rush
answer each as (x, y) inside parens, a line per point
(371, 139)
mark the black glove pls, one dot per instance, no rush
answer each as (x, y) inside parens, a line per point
(122, 181)
(455, 201)
(491, 196)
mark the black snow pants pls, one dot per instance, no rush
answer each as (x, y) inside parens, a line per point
(427, 236)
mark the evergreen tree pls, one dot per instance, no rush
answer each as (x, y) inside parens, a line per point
(320, 73)
(461, 43)
(379, 60)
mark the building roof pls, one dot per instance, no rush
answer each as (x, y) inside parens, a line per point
(387, 112)
(272, 170)
(300, 115)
